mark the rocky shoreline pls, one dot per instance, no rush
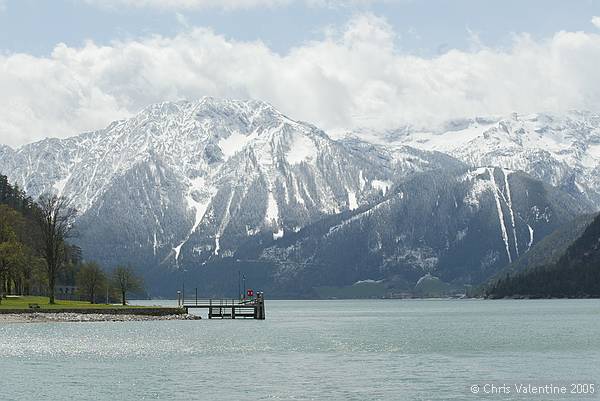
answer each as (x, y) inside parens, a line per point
(87, 317)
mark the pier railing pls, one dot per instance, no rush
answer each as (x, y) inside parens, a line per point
(226, 307)
(192, 301)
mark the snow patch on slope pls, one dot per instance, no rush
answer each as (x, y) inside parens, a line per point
(272, 214)
(224, 223)
(478, 187)
(235, 142)
(302, 149)
(59, 186)
(445, 141)
(510, 209)
(530, 237)
(381, 185)
(154, 243)
(361, 180)
(503, 231)
(217, 245)
(177, 250)
(352, 203)
(197, 185)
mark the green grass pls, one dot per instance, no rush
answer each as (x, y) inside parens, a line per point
(23, 303)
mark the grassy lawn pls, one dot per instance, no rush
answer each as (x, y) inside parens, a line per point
(23, 303)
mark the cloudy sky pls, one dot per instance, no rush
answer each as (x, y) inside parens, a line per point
(68, 66)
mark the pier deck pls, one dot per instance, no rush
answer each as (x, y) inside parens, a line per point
(228, 308)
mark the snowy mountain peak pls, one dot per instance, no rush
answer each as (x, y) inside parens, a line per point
(184, 184)
(212, 109)
(560, 149)
(201, 174)
(194, 137)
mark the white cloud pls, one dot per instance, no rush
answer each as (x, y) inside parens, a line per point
(596, 21)
(355, 77)
(182, 20)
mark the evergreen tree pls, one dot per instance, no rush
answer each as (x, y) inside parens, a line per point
(576, 274)
(19, 238)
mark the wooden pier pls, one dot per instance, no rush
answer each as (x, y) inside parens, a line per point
(253, 308)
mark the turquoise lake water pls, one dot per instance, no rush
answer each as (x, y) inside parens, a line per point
(314, 350)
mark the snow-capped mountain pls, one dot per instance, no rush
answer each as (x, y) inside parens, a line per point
(561, 150)
(190, 181)
(462, 226)
(183, 185)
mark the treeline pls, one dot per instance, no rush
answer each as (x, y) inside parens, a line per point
(576, 274)
(15, 198)
(21, 267)
(95, 284)
(35, 255)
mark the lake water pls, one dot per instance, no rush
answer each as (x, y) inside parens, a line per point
(314, 350)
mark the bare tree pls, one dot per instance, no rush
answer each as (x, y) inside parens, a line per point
(90, 280)
(126, 280)
(56, 218)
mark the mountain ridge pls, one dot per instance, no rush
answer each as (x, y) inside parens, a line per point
(186, 185)
(560, 149)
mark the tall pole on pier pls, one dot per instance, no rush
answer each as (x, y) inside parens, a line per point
(239, 285)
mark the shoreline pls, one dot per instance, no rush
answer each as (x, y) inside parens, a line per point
(118, 310)
(61, 317)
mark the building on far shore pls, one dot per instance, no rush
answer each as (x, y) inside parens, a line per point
(66, 292)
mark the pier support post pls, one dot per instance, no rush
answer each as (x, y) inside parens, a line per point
(259, 308)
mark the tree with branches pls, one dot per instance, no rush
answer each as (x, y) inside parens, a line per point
(125, 279)
(91, 280)
(55, 218)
